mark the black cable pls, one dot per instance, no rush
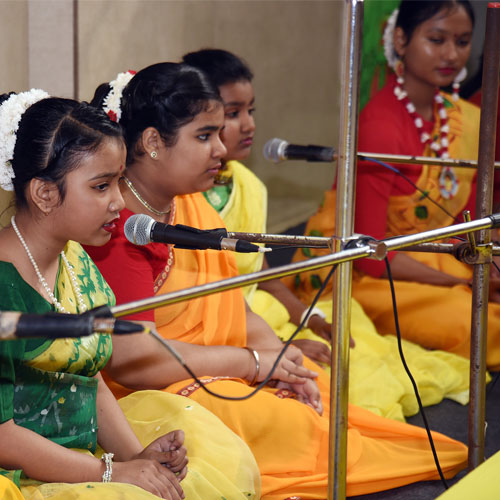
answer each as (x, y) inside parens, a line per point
(275, 364)
(408, 372)
(425, 194)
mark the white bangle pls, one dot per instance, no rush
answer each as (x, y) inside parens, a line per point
(107, 458)
(314, 312)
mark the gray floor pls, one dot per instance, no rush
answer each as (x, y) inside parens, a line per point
(448, 417)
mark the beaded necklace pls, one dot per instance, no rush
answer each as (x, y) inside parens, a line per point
(438, 145)
(82, 307)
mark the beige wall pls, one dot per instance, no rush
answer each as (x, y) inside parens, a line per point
(292, 46)
(13, 45)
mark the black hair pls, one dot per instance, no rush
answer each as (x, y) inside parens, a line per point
(165, 96)
(220, 65)
(412, 13)
(54, 135)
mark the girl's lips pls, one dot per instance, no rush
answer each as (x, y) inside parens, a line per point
(247, 142)
(215, 170)
(110, 226)
(446, 71)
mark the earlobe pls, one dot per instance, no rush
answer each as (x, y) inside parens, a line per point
(151, 141)
(44, 195)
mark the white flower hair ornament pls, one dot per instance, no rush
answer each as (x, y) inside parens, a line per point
(11, 111)
(111, 103)
(389, 52)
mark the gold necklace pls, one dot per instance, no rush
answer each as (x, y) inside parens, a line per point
(142, 200)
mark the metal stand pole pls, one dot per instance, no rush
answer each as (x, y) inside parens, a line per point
(484, 201)
(344, 225)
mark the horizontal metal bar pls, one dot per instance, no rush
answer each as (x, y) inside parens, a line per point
(436, 234)
(284, 239)
(420, 160)
(242, 280)
(374, 248)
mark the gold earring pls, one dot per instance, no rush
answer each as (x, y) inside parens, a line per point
(399, 68)
(154, 155)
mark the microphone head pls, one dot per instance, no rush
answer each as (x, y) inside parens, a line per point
(274, 150)
(138, 229)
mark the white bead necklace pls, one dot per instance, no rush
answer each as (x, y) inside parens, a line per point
(82, 307)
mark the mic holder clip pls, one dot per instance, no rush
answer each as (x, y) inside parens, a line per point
(483, 254)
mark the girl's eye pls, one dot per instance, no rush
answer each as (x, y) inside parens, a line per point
(436, 40)
(102, 187)
(204, 137)
(463, 43)
(232, 114)
(251, 111)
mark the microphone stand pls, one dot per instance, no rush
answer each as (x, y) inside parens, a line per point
(472, 252)
(377, 249)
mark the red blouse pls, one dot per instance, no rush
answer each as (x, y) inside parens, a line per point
(129, 269)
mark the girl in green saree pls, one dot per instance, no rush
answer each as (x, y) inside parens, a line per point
(64, 161)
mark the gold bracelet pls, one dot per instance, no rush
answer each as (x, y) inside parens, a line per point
(255, 355)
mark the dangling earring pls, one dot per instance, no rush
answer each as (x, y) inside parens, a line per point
(399, 69)
(154, 155)
(462, 75)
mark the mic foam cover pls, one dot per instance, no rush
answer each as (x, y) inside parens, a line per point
(138, 229)
(274, 150)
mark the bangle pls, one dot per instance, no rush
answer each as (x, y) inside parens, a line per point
(314, 312)
(255, 355)
(107, 458)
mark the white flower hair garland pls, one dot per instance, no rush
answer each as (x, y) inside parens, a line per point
(11, 111)
(111, 103)
(389, 52)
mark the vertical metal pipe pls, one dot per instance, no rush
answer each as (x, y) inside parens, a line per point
(344, 224)
(484, 202)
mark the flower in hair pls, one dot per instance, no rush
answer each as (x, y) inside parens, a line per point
(111, 103)
(11, 111)
(389, 52)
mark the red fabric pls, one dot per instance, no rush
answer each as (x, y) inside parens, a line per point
(476, 99)
(142, 263)
(385, 126)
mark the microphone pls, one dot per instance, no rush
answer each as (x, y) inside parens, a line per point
(277, 150)
(141, 229)
(16, 325)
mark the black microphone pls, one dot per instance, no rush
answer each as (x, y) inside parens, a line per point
(16, 325)
(277, 150)
(141, 229)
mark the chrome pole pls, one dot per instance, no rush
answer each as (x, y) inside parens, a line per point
(344, 227)
(484, 202)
